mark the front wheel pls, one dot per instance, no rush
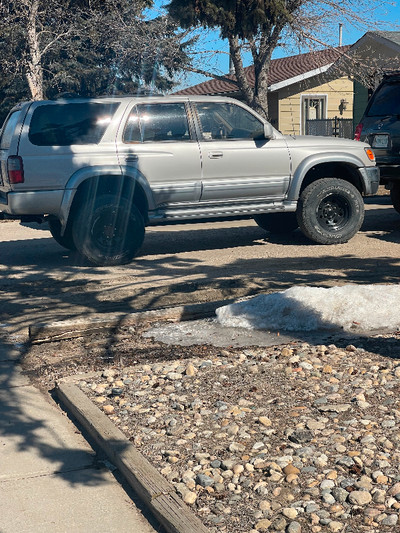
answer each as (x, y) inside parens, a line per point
(108, 230)
(330, 211)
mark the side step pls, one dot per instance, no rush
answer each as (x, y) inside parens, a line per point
(196, 211)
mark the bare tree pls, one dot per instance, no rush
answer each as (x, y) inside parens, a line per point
(88, 46)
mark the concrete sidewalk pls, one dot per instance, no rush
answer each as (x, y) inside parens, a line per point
(49, 478)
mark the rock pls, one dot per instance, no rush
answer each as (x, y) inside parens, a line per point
(360, 497)
(289, 512)
(340, 494)
(294, 527)
(108, 409)
(262, 525)
(335, 526)
(190, 370)
(290, 469)
(189, 497)
(204, 481)
(390, 520)
(335, 408)
(236, 447)
(265, 421)
(301, 436)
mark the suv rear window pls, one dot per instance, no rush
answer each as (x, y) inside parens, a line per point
(70, 123)
(386, 101)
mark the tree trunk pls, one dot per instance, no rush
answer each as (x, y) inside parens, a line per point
(260, 98)
(34, 72)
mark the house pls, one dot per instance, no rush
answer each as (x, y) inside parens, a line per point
(302, 87)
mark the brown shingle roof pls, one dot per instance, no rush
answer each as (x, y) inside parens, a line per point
(281, 69)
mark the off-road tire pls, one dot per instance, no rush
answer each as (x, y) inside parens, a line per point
(108, 230)
(330, 211)
(278, 223)
(66, 240)
(395, 196)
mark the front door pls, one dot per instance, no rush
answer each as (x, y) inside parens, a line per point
(238, 162)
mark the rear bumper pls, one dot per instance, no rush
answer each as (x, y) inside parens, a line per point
(16, 204)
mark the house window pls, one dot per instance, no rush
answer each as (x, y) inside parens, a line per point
(313, 107)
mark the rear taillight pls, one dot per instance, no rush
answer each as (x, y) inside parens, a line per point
(15, 169)
(357, 133)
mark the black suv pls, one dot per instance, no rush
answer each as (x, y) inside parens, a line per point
(380, 127)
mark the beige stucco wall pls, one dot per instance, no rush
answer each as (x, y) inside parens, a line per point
(289, 101)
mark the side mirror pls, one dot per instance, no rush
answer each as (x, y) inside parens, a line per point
(268, 131)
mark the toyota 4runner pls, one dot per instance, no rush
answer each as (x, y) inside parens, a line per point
(100, 170)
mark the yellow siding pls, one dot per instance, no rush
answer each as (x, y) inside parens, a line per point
(290, 101)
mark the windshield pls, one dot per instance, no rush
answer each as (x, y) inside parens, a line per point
(386, 101)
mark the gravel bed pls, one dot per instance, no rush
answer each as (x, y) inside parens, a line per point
(295, 438)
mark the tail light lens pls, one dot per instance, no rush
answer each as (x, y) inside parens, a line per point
(15, 169)
(357, 133)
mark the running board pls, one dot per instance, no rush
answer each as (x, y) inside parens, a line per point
(196, 211)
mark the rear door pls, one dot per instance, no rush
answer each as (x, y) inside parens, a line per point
(238, 162)
(157, 140)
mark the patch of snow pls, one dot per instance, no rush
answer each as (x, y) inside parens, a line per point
(346, 308)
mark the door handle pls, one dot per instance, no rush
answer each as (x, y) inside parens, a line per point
(131, 158)
(215, 155)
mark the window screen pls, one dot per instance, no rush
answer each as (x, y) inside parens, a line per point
(157, 122)
(70, 123)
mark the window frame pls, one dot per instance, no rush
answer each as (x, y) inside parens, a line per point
(311, 96)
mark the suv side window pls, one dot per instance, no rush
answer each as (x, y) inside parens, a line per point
(227, 121)
(70, 123)
(157, 122)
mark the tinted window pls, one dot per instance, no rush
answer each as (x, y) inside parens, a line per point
(157, 122)
(70, 123)
(8, 130)
(386, 101)
(228, 121)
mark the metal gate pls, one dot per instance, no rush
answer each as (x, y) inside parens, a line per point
(331, 127)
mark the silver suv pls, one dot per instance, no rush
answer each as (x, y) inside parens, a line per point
(100, 170)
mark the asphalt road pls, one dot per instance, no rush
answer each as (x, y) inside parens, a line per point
(187, 263)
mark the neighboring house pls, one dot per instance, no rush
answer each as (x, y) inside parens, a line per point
(302, 87)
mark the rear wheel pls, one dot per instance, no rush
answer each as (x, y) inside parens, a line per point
(330, 211)
(108, 230)
(66, 240)
(395, 196)
(278, 223)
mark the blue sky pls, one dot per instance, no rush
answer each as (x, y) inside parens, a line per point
(216, 56)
